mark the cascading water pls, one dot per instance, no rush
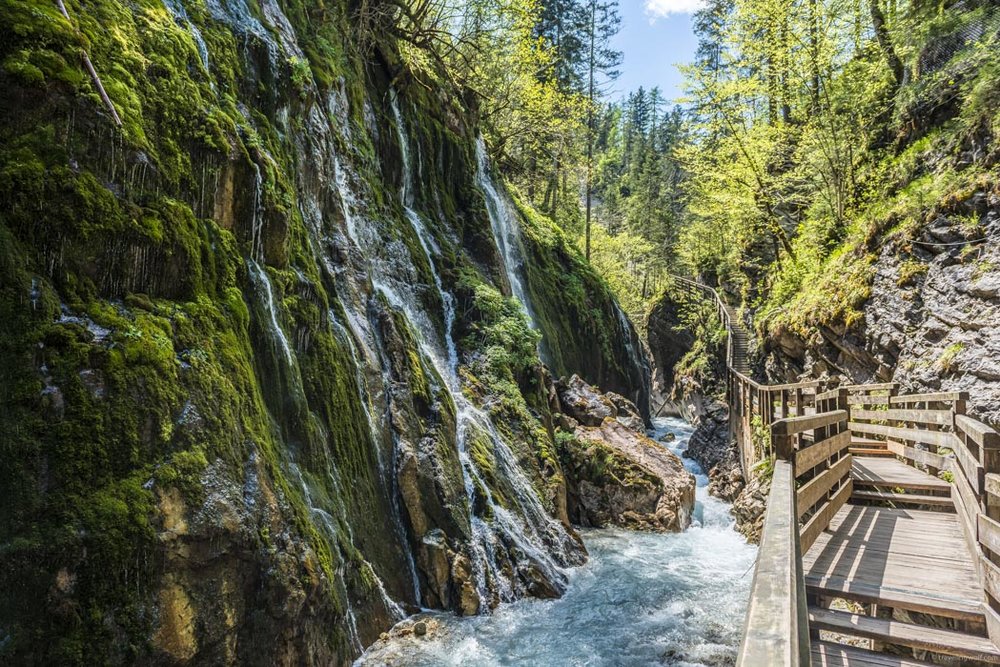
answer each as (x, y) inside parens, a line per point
(347, 336)
(176, 9)
(262, 283)
(532, 531)
(257, 221)
(503, 220)
(642, 599)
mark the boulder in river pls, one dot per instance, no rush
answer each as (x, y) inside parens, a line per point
(620, 477)
(628, 414)
(583, 402)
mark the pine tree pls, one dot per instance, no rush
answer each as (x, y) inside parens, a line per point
(602, 61)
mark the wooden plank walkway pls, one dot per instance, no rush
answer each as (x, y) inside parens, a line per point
(907, 559)
(891, 472)
(829, 654)
(914, 560)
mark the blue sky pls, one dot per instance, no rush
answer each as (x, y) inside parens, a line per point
(655, 37)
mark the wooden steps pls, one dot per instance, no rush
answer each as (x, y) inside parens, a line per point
(896, 597)
(903, 498)
(935, 640)
(830, 654)
(865, 451)
(866, 447)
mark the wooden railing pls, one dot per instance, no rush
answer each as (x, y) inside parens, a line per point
(806, 433)
(930, 432)
(753, 407)
(777, 624)
(810, 482)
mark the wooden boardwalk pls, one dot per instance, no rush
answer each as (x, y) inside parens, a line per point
(896, 551)
(880, 545)
(912, 560)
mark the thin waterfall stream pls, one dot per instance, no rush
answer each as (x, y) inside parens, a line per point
(641, 599)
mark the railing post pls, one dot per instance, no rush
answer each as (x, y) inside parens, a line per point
(842, 404)
(782, 442)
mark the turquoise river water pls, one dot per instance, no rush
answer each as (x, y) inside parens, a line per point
(641, 599)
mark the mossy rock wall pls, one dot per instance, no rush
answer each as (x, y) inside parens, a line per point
(584, 330)
(223, 441)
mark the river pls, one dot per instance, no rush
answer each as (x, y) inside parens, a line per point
(641, 599)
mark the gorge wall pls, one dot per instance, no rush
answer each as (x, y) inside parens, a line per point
(929, 315)
(263, 390)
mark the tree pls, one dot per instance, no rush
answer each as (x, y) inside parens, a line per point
(602, 60)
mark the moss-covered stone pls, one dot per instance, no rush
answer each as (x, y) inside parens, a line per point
(218, 441)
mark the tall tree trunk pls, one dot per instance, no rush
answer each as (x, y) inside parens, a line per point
(814, 53)
(532, 170)
(885, 42)
(590, 118)
(786, 109)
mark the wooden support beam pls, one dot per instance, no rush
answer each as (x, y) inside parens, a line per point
(980, 433)
(937, 438)
(819, 486)
(808, 458)
(940, 397)
(821, 519)
(939, 417)
(794, 425)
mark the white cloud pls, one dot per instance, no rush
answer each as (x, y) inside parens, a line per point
(656, 9)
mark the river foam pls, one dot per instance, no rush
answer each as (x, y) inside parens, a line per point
(641, 599)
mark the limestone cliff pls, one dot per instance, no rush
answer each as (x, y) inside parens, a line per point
(262, 389)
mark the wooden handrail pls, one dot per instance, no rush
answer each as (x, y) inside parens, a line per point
(794, 425)
(776, 632)
(940, 397)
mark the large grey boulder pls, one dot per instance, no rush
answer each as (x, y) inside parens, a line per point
(583, 402)
(619, 477)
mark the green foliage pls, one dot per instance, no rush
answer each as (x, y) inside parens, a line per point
(909, 271)
(807, 152)
(502, 333)
(948, 361)
(760, 436)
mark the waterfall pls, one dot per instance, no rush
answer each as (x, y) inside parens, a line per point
(348, 335)
(534, 533)
(642, 599)
(503, 220)
(262, 283)
(180, 16)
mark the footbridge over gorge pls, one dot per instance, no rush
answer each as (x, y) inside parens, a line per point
(881, 539)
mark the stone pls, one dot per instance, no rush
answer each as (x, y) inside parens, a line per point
(750, 506)
(583, 402)
(566, 423)
(619, 477)
(461, 572)
(420, 628)
(628, 414)
(668, 437)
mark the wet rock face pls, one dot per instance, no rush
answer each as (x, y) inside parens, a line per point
(709, 445)
(750, 506)
(668, 343)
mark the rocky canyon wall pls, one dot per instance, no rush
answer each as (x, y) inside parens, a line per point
(262, 387)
